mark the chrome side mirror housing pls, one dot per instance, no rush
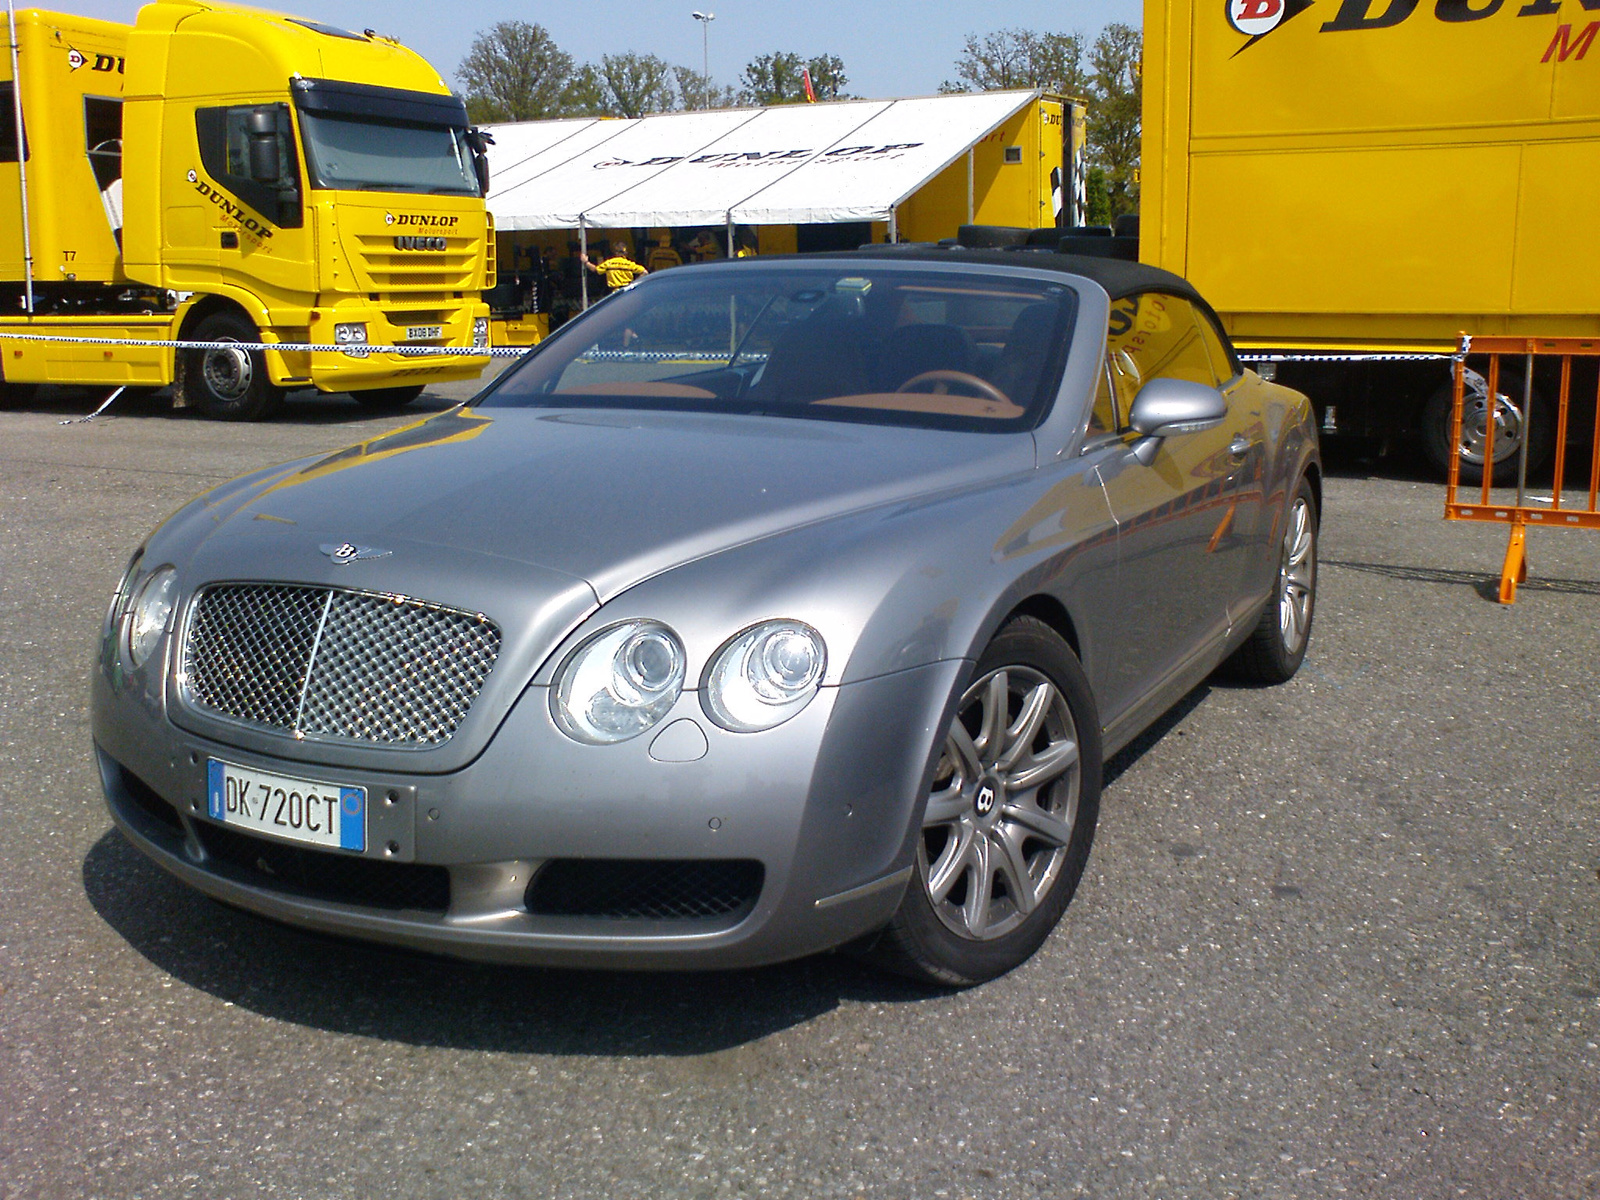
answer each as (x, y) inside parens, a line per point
(1166, 406)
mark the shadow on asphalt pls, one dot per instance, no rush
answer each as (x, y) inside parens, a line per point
(1486, 585)
(396, 995)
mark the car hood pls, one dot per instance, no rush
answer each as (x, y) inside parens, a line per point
(612, 498)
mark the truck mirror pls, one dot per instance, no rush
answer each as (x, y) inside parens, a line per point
(265, 163)
(480, 164)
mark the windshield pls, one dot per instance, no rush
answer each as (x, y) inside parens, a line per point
(841, 340)
(380, 156)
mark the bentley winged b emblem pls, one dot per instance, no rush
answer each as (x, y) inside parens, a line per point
(348, 552)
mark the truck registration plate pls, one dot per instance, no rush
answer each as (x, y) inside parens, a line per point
(419, 333)
(297, 810)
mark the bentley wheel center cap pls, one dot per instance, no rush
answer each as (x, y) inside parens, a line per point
(983, 803)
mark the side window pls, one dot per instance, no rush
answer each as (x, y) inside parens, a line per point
(102, 142)
(8, 125)
(1150, 335)
(1222, 360)
(225, 136)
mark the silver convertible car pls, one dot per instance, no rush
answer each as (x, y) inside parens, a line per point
(771, 606)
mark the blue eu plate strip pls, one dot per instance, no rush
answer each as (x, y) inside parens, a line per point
(215, 800)
(353, 818)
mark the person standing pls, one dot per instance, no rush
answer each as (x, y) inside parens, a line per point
(619, 270)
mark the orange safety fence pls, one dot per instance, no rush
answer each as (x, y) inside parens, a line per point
(1560, 510)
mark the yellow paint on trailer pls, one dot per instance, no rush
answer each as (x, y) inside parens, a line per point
(1375, 174)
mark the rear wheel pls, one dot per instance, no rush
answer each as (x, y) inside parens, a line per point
(387, 399)
(1510, 429)
(1010, 817)
(229, 383)
(1277, 645)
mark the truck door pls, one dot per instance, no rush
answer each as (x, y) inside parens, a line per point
(250, 187)
(1180, 561)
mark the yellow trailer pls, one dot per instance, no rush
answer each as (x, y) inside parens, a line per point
(228, 175)
(1377, 176)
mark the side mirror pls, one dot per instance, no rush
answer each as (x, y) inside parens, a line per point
(1165, 407)
(266, 165)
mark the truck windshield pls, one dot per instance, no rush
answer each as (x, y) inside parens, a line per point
(362, 155)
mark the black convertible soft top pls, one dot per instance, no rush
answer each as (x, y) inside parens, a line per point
(1118, 277)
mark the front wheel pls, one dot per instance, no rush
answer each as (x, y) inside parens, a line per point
(1010, 817)
(229, 383)
(389, 399)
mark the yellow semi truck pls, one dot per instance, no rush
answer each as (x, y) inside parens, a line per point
(227, 175)
(1378, 176)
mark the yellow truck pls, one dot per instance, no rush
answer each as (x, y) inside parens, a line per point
(1362, 177)
(226, 175)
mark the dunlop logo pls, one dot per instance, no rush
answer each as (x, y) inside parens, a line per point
(407, 242)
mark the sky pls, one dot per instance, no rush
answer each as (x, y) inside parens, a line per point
(889, 47)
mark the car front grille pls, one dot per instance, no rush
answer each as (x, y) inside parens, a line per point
(326, 875)
(330, 662)
(645, 889)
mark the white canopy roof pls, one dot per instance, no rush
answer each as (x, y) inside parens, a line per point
(851, 160)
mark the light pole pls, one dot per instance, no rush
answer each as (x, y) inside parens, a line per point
(705, 20)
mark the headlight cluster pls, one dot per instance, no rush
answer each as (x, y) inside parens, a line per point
(351, 334)
(480, 332)
(140, 617)
(625, 679)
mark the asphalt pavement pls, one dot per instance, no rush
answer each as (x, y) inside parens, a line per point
(1337, 938)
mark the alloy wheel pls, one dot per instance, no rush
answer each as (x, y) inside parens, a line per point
(1297, 576)
(1003, 806)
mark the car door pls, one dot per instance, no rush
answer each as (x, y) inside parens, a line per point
(1180, 556)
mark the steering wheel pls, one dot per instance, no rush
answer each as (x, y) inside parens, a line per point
(982, 386)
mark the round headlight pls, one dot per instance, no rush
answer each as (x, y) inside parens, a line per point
(618, 683)
(152, 608)
(765, 675)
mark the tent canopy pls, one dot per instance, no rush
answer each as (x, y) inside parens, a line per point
(849, 160)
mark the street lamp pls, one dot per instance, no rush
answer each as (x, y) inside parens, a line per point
(705, 20)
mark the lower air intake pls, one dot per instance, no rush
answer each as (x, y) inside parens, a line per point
(645, 889)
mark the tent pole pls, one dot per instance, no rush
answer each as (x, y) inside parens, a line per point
(730, 235)
(894, 228)
(970, 207)
(583, 270)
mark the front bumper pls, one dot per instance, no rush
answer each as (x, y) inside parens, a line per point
(387, 325)
(826, 803)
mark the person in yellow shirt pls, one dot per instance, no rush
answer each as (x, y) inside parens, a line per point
(619, 270)
(663, 256)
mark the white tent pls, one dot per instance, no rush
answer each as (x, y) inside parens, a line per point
(852, 160)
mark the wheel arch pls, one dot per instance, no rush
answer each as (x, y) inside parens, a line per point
(210, 305)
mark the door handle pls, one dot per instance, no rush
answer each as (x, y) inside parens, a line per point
(1239, 447)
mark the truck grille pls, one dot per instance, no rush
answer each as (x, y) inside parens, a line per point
(456, 268)
(329, 662)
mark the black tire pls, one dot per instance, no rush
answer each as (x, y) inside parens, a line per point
(1277, 645)
(931, 940)
(228, 385)
(1436, 421)
(389, 399)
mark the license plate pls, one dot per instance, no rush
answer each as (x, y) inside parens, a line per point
(297, 810)
(418, 333)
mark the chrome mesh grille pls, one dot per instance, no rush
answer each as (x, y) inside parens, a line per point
(329, 662)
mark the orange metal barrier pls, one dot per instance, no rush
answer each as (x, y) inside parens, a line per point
(1521, 514)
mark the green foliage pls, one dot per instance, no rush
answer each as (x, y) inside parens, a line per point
(1020, 58)
(631, 85)
(515, 72)
(1114, 113)
(1097, 199)
(777, 78)
(701, 91)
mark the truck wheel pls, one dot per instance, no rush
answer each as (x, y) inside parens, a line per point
(387, 399)
(1509, 431)
(228, 384)
(1010, 818)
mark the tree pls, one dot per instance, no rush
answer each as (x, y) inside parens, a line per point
(631, 85)
(1116, 94)
(777, 78)
(515, 72)
(1020, 58)
(700, 91)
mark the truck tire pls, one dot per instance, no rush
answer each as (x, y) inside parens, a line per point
(1509, 430)
(229, 385)
(389, 399)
